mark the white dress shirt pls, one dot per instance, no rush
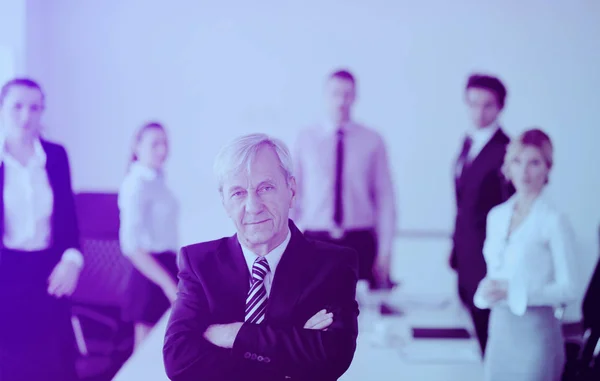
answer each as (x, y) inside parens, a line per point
(273, 258)
(538, 260)
(148, 212)
(368, 190)
(480, 137)
(29, 203)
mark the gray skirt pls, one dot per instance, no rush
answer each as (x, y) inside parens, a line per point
(528, 348)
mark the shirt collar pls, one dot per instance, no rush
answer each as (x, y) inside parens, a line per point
(144, 171)
(273, 257)
(485, 134)
(332, 127)
(541, 198)
(39, 155)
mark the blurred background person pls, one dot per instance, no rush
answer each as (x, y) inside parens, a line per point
(149, 231)
(531, 270)
(40, 257)
(479, 186)
(345, 190)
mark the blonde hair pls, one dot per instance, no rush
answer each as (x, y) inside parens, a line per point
(239, 154)
(533, 137)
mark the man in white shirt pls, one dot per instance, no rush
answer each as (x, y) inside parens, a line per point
(345, 190)
(480, 186)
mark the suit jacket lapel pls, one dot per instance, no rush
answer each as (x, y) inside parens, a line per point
(287, 283)
(1, 203)
(237, 284)
(480, 159)
(54, 181)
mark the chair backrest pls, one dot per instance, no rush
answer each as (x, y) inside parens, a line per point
(591, 313)
(104, 278)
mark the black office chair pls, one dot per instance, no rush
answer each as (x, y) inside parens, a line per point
(104, 340)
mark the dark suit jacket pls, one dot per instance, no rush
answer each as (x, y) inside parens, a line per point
(591, 312)
(65, 231)
(214, 282)
(480, 187)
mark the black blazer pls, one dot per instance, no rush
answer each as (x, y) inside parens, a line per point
(591, 312)
(65, 231)
(214, 282)
(479, 188)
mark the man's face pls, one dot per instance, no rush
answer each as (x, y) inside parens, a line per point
(259, 202)
(483, 106)
(340, 95)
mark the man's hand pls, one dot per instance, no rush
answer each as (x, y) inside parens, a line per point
(381, 267)
(320, 321)
(63, 279)
(222, 335)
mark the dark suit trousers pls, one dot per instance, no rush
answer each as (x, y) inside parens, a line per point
(363, 241)
(479, 317)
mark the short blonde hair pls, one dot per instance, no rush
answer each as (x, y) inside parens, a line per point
(533, 137)
(239, 154)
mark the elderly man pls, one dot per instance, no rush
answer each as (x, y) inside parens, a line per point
(233, 318)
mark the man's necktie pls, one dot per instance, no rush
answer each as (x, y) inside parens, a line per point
(463, 157)
(338, 212)
(256, 302)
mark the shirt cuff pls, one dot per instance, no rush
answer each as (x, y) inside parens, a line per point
(73, 255)
(479, 301)
(517, 296)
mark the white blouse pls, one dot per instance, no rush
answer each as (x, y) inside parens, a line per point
(538, 260)
(28, 204)
(148, 212)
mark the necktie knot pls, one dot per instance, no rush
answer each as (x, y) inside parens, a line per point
(260, 269)
(468, 143)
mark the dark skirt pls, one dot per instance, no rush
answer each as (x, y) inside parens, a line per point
(36, 335)
(145, 301)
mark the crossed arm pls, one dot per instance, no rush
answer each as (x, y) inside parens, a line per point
(323, 347)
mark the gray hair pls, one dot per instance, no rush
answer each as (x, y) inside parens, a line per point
(239, 154)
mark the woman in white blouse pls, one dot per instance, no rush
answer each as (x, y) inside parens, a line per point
(531, 270)
(40, 258)
(148, 231)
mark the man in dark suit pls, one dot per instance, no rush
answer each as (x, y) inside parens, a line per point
(266, 303)
(479, 186)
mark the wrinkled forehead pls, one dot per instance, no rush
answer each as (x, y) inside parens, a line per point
(252, 177)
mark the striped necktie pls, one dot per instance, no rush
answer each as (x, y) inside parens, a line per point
(256, 302)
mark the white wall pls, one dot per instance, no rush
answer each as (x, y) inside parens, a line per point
(12, 38)
(214, 70)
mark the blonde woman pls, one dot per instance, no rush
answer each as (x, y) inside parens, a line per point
(530, 256)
